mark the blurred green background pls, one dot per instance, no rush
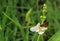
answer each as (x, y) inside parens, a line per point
(18, 16)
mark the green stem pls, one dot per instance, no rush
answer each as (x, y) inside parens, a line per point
(38, 38)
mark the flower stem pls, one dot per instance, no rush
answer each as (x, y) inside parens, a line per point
(38, 38)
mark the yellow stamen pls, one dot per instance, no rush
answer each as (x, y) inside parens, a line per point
(40, 29)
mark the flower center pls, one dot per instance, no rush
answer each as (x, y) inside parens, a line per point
(40, 29)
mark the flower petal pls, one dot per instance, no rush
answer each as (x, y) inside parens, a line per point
(44, 28)
(37, 30)
(33, 29)
(41, 33)
(38, 25)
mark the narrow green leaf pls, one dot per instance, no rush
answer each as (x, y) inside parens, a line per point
(55, 37)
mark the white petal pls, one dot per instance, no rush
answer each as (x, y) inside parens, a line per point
(44, 28)
(37, 27)
(41, 33)
(37, 30)
(38, 24)
(33, 29)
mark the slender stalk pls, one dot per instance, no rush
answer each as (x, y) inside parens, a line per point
(38, 38)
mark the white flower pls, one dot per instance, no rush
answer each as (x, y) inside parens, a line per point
(38, 29)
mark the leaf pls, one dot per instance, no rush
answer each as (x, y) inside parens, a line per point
(28, 15)
(55, 37)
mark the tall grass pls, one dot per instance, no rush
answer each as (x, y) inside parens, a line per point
(18, 16)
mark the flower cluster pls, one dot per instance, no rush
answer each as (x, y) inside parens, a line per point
(44, 8)
(42, 18)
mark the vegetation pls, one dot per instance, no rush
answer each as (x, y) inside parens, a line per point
(18, 16)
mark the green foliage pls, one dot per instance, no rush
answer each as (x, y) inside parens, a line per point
(18, 16)
(55, 37)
